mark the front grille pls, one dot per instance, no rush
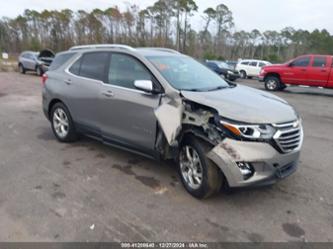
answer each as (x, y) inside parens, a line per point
(289, 136)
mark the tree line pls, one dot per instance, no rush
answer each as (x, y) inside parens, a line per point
(166, 23)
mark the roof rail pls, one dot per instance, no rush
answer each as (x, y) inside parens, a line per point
(101, 46)
(169, 50)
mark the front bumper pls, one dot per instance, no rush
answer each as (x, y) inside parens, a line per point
(261, 78)
(233, 76)
(268, 164)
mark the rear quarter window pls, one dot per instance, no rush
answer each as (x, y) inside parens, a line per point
(60, 60)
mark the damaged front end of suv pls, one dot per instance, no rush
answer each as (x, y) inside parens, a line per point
(232, 135)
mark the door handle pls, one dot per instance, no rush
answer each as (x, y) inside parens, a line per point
(68, 81)
(108, 94)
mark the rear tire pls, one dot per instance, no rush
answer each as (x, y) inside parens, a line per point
(283, 86)
(62, 124)
(243, 74)
(203, 179)
(21, 69)
(272, 83)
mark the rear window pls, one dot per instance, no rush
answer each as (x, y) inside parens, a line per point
(245, 63)
(59, 60)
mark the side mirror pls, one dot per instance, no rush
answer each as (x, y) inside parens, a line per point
(144, 85)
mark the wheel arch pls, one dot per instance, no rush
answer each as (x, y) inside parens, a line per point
(277, 75)
(51, 104)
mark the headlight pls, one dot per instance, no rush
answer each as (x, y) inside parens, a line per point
(252, 132)
(229, 72)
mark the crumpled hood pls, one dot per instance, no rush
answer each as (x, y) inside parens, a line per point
(245, 104)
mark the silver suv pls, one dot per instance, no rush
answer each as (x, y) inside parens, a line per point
(165, 105)
(38, 62)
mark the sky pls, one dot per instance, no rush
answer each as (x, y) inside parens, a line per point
(248, 14)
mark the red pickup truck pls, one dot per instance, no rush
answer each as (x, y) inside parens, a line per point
(306, 70)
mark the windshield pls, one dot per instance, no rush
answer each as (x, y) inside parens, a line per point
(224, 65)
(185, 73)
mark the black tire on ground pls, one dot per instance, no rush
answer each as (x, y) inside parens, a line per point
(71, 134)
(272, 83)
(21, 69)
(212, 177)
(243, 74)
(250, 77)
(282, 86)
(39, 71)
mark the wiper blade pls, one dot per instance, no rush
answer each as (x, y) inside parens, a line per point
(218, 88)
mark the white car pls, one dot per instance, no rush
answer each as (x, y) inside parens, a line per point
(250, 68)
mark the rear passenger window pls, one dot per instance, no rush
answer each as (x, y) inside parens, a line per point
(125, 69)
(60, 60)
(253, 63)
(75, 68)
(319, 61)
(93, 65)
(301, 62)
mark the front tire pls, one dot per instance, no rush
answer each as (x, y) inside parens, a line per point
(272, 83)
(200, 176)
(62, 124)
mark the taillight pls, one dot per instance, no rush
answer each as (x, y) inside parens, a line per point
(44, 78)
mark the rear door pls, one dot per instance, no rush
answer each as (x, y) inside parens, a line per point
(82, 85)
(30, 61)
(297, 71)
(253, 69)
(319, 71)
(128, 113)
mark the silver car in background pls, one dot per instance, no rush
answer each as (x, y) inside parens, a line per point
(165, 105)
(38, 62)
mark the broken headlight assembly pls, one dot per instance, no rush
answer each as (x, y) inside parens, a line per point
(248, 131)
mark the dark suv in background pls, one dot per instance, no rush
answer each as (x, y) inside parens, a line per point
(223, 69)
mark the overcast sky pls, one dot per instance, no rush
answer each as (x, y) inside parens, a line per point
(248, 14)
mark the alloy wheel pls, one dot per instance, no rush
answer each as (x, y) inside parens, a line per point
(60, 123)
(191, 167)
(271, 84)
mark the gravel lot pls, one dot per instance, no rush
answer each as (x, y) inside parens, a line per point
(90, 192)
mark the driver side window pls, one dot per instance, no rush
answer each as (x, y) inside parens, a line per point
(125, 69)
(301, 62)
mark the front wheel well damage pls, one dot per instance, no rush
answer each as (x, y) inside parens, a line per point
(196, 120)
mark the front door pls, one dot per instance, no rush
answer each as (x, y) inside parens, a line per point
(297, 71)
(128, 117)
